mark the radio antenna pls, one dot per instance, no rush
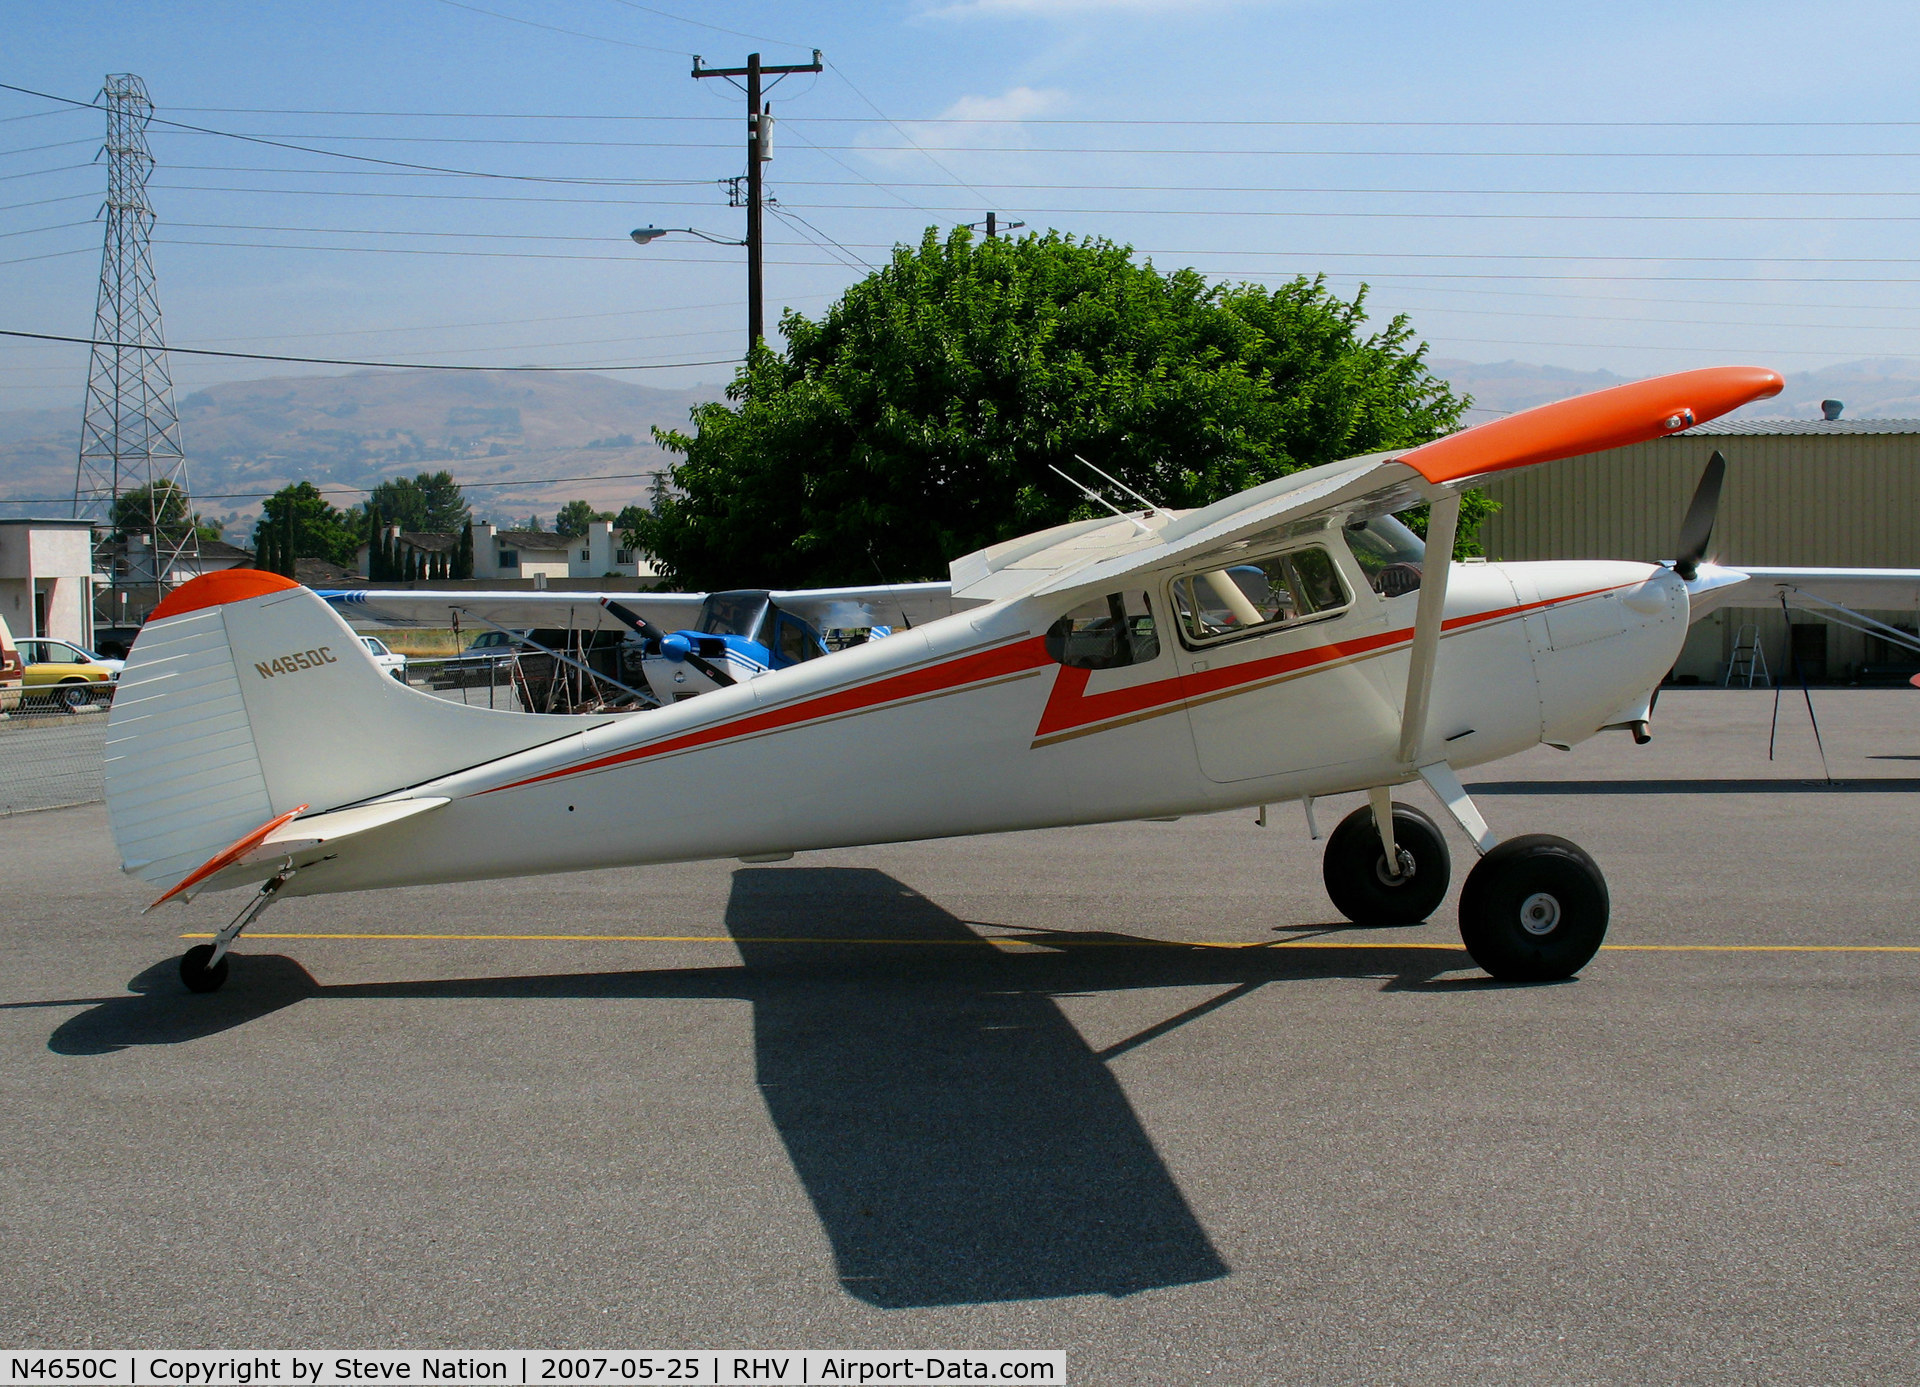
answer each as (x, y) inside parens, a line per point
(1093, 495)
(1152, 506)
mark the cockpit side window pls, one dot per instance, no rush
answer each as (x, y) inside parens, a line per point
(1109, 632)
(1389, 554)
(732, 614)
(797, 642)
(1259, 596)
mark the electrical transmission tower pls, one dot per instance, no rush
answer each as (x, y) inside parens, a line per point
(132, 475)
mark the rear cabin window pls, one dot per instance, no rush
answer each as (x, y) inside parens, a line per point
(1107, 633)
(1389, 554)
(1258, 597)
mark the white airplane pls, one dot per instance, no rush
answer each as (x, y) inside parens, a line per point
(733, 636)
(1289, 642)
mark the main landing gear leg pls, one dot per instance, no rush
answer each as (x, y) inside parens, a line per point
(1371, 888)
(203, 968)
(1534, 908)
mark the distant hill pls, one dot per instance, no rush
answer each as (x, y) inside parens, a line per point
(519, 429)
(1876, 388)
(359, 429)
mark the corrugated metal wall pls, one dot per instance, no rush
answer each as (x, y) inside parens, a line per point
(1819, 500)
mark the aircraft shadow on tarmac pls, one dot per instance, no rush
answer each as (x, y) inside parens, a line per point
(959, 1139)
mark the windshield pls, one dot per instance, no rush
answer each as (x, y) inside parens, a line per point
(1389, 554)
(732, 614)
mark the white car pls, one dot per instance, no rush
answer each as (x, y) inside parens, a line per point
(393, 664)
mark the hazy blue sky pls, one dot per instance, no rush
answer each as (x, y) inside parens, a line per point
(1637, 186)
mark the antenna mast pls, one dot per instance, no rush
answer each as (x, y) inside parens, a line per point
(132, 475)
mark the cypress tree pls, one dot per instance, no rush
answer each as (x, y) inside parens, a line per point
(289, 549)
(463, 556)
(373, 543)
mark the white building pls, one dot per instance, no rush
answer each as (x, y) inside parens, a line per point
(46, 579)
(534, 554)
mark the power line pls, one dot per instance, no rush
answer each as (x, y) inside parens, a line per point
(1053, 120)
(702, 24)
(342, 486)
(37, 173)
(556, 29)
(479, 254)
(336, 361)
(1273, 189)
(36, 230)
(1056, 211)
(58, 144)
(327, 153)
(50, 255)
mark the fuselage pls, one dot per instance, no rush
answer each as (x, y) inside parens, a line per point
(987, 722)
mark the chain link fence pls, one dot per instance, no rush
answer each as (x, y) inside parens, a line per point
(51, 756)
(52, 747)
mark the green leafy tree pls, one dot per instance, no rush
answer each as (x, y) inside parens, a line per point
(430, 503)
(302, 525)
(916, 420)
(159, 508)
(575, 516)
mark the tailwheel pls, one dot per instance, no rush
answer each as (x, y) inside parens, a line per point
(1362, 886)
(1534, 909)
(195, 973)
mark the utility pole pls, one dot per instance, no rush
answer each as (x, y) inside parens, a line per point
(992, 224)
(759, 150)
(129, 434)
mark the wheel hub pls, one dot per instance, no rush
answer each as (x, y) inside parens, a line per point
(1540, 913)
(1407, 868)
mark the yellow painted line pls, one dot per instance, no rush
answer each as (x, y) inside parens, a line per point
(1768, 948)
(1076, 943)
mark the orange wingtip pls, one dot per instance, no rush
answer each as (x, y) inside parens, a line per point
(1612, 418)
(226, 857)
(218, 589)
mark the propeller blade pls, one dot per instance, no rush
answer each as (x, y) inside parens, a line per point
(621, 612)
(651, 632)
(1697, 528)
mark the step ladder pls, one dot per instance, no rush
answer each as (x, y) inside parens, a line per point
(1749, 659)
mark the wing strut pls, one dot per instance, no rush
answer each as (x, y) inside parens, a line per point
(1443, 520)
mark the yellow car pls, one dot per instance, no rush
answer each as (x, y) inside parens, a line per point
(73, 676)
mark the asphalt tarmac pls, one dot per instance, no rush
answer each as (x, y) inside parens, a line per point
(1008, 1092)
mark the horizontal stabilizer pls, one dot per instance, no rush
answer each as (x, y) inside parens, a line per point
(292, 842)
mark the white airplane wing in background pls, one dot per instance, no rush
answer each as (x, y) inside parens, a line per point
(442, 610)
(890, 604)
(1810, 589)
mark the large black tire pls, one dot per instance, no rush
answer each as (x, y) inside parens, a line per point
(195, 973)
(1355, 868)
(1534, 909)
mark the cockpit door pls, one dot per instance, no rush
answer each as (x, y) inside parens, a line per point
(1280, 661)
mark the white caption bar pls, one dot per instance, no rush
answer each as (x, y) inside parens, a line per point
(527, 1367)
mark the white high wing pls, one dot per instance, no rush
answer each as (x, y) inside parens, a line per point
(1285, 643)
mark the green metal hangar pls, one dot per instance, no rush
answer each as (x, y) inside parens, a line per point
(1822, 493)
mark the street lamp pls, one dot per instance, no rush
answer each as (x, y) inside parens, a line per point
(643, 235)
